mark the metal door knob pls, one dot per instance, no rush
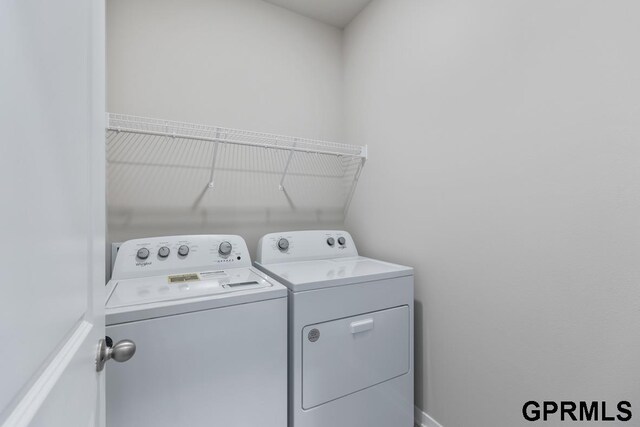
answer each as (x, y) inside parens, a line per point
(121, 352)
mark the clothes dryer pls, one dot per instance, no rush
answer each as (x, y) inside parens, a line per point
(350, 331)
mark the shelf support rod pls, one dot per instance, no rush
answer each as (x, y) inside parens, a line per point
(213, 160)
(286, 168)
(356, 177)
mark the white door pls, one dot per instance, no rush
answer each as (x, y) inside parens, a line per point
(52, 212)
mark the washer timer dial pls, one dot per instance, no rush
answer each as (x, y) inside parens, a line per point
(143, 253)
(225, 248)
(283, 244)
(183, 250)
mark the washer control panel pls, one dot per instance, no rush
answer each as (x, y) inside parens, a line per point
(174, 254)
(305, 245)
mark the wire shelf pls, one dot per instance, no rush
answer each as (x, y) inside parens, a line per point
(161, 164)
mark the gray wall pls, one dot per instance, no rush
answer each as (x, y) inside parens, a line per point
(505, 166)
(242, 64)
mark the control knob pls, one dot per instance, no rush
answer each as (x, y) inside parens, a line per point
(283, 244)
(163, 252)
(331, 241)
(342, 241)
(143, 253)
(225, 248)
(183, 250)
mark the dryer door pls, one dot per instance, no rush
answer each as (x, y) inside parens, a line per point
(344, 356)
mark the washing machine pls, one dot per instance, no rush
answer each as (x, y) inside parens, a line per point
(350, 331)
(210, 332)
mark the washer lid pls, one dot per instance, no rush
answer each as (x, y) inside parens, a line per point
(324, 273)
(148, 297)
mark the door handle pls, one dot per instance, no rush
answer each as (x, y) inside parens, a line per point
(121, 352)
(361, 326)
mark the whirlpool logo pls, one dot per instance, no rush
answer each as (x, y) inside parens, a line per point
(575, 411)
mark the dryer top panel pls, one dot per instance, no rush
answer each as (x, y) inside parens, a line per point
(291, 246)
(325, 273)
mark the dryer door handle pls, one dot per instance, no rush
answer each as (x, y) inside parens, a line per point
(361, 326)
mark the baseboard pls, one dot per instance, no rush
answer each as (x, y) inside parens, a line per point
(425, 420)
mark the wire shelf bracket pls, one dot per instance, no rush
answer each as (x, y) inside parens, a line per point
(286, 168)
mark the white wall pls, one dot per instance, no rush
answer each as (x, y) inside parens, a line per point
(505, 166)
(235, 63)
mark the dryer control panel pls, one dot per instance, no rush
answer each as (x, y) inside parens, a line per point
(291, 246)
(155, 256)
